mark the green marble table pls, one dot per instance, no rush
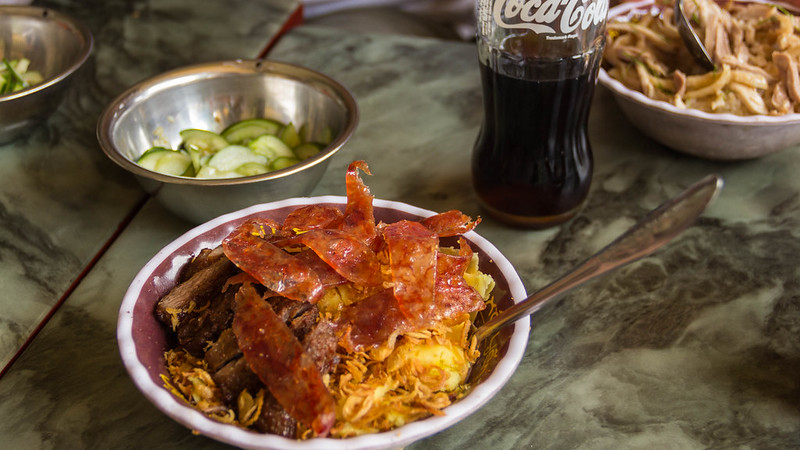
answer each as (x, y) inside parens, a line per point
(693, 347)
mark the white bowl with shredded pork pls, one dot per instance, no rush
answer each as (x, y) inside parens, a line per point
(748, 107)
(142, 339)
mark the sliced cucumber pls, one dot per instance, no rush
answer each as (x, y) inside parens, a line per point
(206, 141)
(304, 133)
(282, 163)
(148, 154)
(166, 161)
(32, 78)
(15, 76)
(174, 163)
(271, 147)
(199, 159)
(307, 150)
(190, 172)
(210, 172)
(233, 156)
(327, 136)
(246, 148)
(251, 168)
(149, 158)
(246, 130)
(289, 136)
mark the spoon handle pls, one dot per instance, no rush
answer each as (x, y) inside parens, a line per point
(649, 234)
(690, 37)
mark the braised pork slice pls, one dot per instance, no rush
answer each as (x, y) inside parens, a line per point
(200, 328)
(205, 258)
(274, 419)
(194, 293)
(222, 351)
(320, 344)
(235, 377)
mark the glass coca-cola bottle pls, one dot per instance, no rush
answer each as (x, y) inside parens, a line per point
(532, 162)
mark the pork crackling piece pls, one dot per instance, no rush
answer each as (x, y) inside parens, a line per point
(281, 363)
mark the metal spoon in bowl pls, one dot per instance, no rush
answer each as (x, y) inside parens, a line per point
(649, 234)
(690, 37)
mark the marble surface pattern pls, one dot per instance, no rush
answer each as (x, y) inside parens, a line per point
(693, 347)
(61, 199)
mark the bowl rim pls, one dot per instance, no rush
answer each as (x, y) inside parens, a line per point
(231, 67)
(405, 435)
(73, 25)
(620, 89)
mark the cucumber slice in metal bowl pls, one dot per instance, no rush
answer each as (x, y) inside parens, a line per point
(167, 161)
(149, 158)
(174, 163)
(205, 141)
(307, 150)
(272, 147)
(233, 156)
(290, 136)
(245, 148)
(246, 130)
(251, 168)
(282, 163)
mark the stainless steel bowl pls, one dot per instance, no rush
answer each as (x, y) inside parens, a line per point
(57, 46)
(211, 96)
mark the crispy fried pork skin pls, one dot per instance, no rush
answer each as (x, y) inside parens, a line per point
(313, 217)
(412, 259)
(370, 322)
(277, 270)
(453, 297)
(327, 276)
(346, 254)
(359, 218)
(281, 363)
(450, 223)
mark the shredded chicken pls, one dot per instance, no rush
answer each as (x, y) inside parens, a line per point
(755, 48)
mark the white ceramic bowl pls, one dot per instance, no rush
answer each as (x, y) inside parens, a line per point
(142, 339)
(698, 133)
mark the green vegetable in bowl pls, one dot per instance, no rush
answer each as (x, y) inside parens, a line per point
(15, 76)
(246, 148)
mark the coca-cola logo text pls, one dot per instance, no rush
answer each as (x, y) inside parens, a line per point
(550, 16)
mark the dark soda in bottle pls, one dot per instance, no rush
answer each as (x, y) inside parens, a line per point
(532, 161)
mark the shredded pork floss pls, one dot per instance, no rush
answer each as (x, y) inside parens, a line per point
(330, 324)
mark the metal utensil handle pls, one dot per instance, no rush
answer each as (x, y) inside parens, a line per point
(653, 231)
(690, 37)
